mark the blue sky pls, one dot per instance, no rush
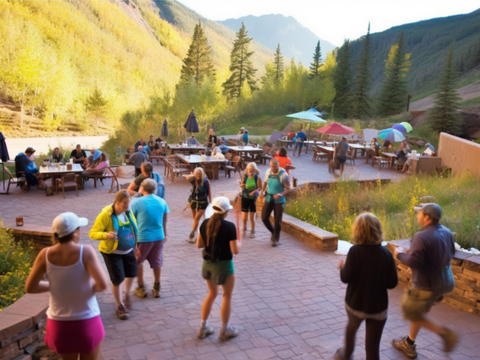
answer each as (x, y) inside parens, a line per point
(336, 20)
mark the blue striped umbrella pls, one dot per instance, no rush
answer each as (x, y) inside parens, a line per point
(391, 134)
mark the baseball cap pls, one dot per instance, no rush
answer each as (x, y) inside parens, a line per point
(30, 150)
(66, 223)
(242, 128)
(431, 209)
(221, 204)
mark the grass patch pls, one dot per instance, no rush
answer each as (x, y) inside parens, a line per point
(336, 210)
(464, 105)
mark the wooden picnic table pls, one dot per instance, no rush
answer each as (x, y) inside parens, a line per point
(358, 147)
(196, 160)
(391, 158)
(327, 150)
(56, 172)
(247, 153)
(185, 149)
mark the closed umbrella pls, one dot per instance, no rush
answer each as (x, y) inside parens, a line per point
(3, 149)
(391, 134)
(165, 128)
(191, 125)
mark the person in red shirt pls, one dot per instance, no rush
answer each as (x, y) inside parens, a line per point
(283, 160)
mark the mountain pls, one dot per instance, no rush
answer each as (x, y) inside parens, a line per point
(296, 41)
(428, 42)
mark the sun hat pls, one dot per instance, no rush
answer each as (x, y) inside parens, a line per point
(431, 209)
(66, 223)
(97, 154)
(221, 204)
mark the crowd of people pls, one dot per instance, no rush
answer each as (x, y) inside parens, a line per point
(133, 230)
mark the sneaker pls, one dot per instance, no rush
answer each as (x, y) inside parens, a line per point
(450, 340)
(403, 345)
(122, 312)
(205, 330)
(156, 290)
(228, 333)
(191, 238)
(140, 292)
(252, 234)
(244, 232)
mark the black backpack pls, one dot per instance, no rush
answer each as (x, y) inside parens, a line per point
(214, 254)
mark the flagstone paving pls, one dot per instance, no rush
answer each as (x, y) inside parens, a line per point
(288, 301)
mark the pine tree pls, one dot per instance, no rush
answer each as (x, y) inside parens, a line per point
(278, 63)
(342, 79)
(317, 62)
(241, 67)
(444, 116)
(197, 64)
(361, 100)
(96, 102)
(393, 96)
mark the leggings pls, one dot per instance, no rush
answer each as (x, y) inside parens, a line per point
(373, 328)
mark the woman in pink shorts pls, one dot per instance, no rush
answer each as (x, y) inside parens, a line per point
(74, 326)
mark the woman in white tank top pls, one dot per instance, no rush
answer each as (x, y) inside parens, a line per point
(74, 326)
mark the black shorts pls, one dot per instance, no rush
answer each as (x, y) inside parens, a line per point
(248, 205)
(199, 205)
(120, 266)
(341, 159)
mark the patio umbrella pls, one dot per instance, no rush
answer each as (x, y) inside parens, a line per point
(400, 128)
(165, 128)
(306, 115)
(191, 125)
(392, 135)
(3, 149)
(336, 129)
(407, 126)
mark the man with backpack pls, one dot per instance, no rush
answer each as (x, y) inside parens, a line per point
(275, 184)
(430, 255)
(146, 172)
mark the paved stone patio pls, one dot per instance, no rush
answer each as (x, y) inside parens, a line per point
(288, 301)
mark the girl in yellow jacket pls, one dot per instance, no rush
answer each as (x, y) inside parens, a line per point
(116, 229)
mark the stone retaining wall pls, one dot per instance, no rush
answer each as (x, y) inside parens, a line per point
(22, 325)
(466, 271)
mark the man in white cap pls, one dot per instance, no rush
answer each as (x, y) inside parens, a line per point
(430, 254)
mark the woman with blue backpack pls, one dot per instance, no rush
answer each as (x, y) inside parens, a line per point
(116, 228)
(250, 185)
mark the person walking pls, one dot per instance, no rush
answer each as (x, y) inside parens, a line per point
(430, 255)
(116, 229)
(218, 238)
(301, 137)
(369, 271)
(74, 328)
(251, 183)
(275, 184)
(150, 212)
(340, 156)
(199, 198)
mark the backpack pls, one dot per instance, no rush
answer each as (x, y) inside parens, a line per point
(160, 185)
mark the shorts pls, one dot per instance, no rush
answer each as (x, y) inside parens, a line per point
(341, 159)
(76, 336)
(120, 266)
(415, 303)
(151, 251)
(248, 205)
(217, 272)
(199, 205)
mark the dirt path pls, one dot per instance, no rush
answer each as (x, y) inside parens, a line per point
(467, 92)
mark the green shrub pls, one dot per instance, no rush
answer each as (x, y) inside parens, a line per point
(335, 210)
(16, 261)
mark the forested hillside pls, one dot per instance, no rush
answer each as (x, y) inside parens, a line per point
(428, 42)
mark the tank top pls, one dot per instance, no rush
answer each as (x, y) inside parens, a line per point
(71, 292)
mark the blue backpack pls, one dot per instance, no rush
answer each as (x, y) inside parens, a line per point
(160, 185)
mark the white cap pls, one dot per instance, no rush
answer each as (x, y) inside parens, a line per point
(66, 223)
(221, 204)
